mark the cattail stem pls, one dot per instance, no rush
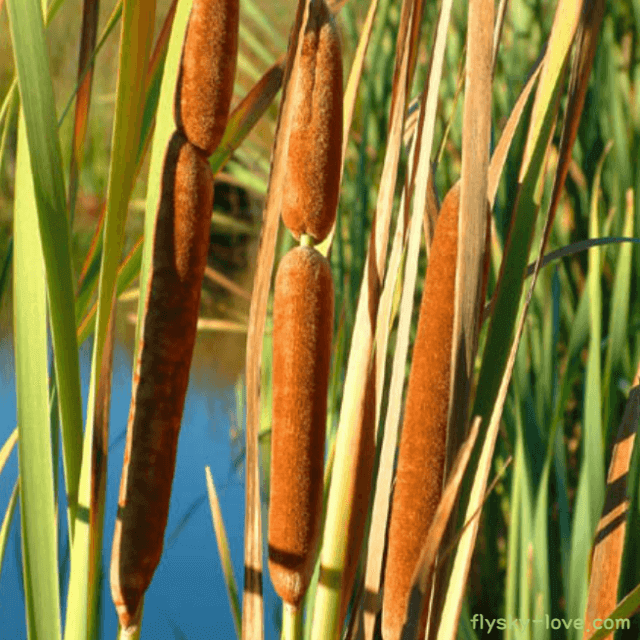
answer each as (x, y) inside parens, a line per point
(306, 240)
(291, 622)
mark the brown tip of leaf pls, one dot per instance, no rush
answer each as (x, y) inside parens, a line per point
(315, 145)
(302, 334)
(423, 441)
(207, 72)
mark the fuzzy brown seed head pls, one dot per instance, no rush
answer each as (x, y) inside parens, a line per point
(423, 441)
(315, 144)
(161, 375)
(302, 335)
(207, 71)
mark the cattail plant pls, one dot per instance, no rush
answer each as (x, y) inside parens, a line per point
(302, 335)
(162, 372)
(303, 309)
(393, 140)
(315, 142)
(423, 441)
(420, 472)
(180, 246)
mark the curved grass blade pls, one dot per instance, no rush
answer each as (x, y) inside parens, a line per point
(6, 523)
(7, 448)
(578, 247)
(223, 550)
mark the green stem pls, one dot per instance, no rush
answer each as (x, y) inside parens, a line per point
(291, 622)
(306, 240)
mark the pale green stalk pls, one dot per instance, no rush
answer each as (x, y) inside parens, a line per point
(291, 622)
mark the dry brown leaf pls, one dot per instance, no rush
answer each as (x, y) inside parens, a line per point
(609, 543)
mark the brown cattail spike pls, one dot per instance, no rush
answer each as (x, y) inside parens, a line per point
(423, 441)
(302, 335)
(315, 144)
(207, 71)
(180, 247)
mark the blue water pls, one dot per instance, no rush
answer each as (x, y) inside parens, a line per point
(187, 597)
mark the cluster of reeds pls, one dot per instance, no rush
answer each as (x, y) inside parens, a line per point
(442, 385)
(375, 492)
(168, 330)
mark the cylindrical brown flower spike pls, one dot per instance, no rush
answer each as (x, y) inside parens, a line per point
(302, 334)
(315, 144)
(423, 441)
(207, 71)
(180, 247)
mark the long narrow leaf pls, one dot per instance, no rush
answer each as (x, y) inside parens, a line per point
(590, 491)
(472, 220)
(510, 283)
(36, 92)
(35, 457)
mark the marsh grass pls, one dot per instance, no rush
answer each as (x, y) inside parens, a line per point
(544, 380)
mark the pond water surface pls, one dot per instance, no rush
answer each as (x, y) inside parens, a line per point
(187, 597)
